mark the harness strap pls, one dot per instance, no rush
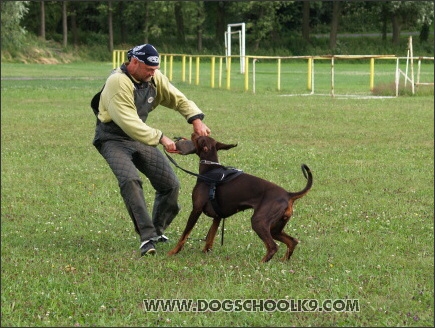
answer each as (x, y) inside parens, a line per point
(212, 198)
(217, 209)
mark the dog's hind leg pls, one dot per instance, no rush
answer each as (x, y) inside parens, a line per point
(278, 234)
(262, 229)
(289, 241)
(211, 235)
(291, 245)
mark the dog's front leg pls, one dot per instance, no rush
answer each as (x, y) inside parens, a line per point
(211, 235)
(193, 218)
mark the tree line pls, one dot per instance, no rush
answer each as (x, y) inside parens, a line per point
(200, 25)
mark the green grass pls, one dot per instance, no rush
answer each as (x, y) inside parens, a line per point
(69, 254)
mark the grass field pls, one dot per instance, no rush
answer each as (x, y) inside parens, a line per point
(69, 253)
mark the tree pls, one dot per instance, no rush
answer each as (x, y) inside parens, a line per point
(146, 24)
(136, 20)
(384, 18)
(269, 24)
(123, 27)
(11, 31)
(411, 12)
(42, 29)
(306, 21)
(110, 25)
(64, 23)
(179, 20)
(260, 18)
(425, 20)
(73, 16)
(218, 10)
(200, 18)
(336, 13)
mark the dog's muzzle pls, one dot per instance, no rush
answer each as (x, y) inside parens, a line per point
(185, 147)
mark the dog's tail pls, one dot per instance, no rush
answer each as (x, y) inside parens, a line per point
(309, 176)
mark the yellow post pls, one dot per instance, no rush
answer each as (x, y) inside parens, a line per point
(197, 71)
(212, 72)
(117, 58)
(246, 73)
(171, 60)
(372, 73)
(220, 72)
(310, 60)
(164, 64)
(183, 68)
(228, 73)
(279, 75)
(190, 69)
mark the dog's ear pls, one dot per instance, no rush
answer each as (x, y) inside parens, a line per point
(222, 146)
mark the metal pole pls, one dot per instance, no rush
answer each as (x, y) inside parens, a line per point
(246, 73)
(183, 68)
(171, 61)
(312, 76)
(197, 71)
(212, 71)
(332, 76)
(242, 53)
(397, 77)
(220, 72)
(412, 64)
(190, 69)
(253, 75)
(309, 74)
(229, 73)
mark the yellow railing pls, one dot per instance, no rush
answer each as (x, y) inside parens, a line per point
(192, 62)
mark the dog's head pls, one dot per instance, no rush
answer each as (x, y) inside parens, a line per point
(207, 147)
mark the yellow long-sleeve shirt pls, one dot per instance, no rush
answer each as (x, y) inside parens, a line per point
(117, 105)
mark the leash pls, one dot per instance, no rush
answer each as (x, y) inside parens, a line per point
(212, 190)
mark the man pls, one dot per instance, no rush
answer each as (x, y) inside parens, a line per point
(129, 145)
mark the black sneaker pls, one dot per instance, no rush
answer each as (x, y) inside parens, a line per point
(148, 249)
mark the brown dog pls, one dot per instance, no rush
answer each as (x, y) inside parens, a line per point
(272, 205)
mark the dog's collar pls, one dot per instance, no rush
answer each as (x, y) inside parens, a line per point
(203, 161)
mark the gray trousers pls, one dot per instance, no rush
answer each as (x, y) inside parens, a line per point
(126, 158)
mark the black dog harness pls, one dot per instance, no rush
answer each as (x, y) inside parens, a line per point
(216, 177)
(213, 178)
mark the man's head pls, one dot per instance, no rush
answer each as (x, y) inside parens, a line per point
(144, 61)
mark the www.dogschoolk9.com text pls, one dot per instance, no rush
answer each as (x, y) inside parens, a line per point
(250, 305)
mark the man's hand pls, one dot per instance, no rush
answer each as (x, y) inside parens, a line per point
(200, 128)
(169, 144)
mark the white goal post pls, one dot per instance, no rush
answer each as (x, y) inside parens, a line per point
(241, 34)
(410, 61)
